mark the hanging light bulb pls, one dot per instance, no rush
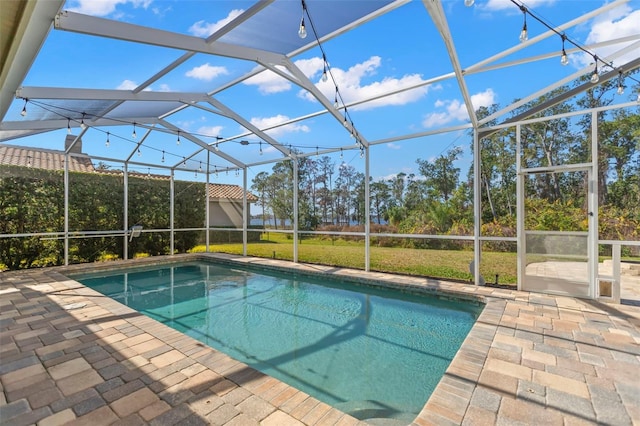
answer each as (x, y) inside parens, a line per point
(302, 31)
(341, 156)
(107, 143)
(324, 71)
(317, 151)
(184, 161)
(336, 105)
(469, 3)
(82, 125)
(216, 147)
(524, 35)
(361, 152)
(563, 58)
(162, 156)
(620, 85)
(24, 108)
(595, 77)
(260, 147)
(139, 152)
(68, 126)
(178, 141)
(148, 172)
(133, 135)
(200, 167)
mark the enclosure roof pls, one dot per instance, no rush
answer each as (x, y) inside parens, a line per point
(231, 84)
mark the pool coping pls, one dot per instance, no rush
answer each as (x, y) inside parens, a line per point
(528, 356)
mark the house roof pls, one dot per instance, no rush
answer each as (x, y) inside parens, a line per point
(43, 159)
(54, 160)
(227, 191)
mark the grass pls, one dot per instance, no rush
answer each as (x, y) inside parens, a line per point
(446, 264)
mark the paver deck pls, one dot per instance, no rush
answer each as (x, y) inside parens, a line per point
(69, 355)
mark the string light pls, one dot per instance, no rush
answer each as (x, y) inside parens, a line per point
(107, 143)
(162, 156)
(139, 152)
(200, 167)
(324, 71)
(24, 108)
(336, 105)
(302, 31)
(216, 148)
(524, 35)
(260, 147)
(68, 126)
(563, 59)
(82, 125)
(184, 161)
(595, 77)
(178, 141)
(620, 86)
(341, 156)
(133, 135)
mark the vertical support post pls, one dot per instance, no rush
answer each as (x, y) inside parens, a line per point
(66, 209)
(367, 213)
(615, 263)
(592, 250)
(171, 213)
(206, 207)
(295, 209)
(477, 208)
(521, 246)
(125, 211)
(245, 209)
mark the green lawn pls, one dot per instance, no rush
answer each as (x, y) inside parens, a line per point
(451, 264)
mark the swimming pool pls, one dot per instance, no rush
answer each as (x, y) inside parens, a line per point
(369, 352)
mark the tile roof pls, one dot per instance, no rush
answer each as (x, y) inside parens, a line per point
(54, 160)
(43, 159)
(226, 191)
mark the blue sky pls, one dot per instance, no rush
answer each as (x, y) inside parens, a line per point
(399, 49)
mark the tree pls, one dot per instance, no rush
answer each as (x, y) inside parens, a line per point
(441, 175)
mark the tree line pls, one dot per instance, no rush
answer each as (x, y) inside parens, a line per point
(439, 198)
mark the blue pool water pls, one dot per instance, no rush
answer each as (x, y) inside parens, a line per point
(368, 352)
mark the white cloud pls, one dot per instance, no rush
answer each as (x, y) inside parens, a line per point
(164, 88)
(493, 5)
(456, 110)
(265, 122)
(206, 72)
(616, 23)
(211, 131)
(205, 29)
(268, 82)
(352, 88)
(350, 83)
(392, 145)
(127, 85)
(103, 7)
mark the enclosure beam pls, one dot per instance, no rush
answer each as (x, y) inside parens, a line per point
(521, 246)
(477, 209)
(125, 210)
(206, 206)
(295, 209)
(66, 209)
(91, 25)
(367, 213)
(171, 213)
(593, 210)
(245, 208)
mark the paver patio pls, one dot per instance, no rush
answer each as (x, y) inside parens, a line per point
(69, 355)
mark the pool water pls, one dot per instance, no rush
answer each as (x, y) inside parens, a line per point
(368, 352)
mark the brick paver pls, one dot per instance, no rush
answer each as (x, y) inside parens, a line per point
(70, 356)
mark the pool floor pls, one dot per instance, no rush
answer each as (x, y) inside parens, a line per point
(370, 352)
(72, 356)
